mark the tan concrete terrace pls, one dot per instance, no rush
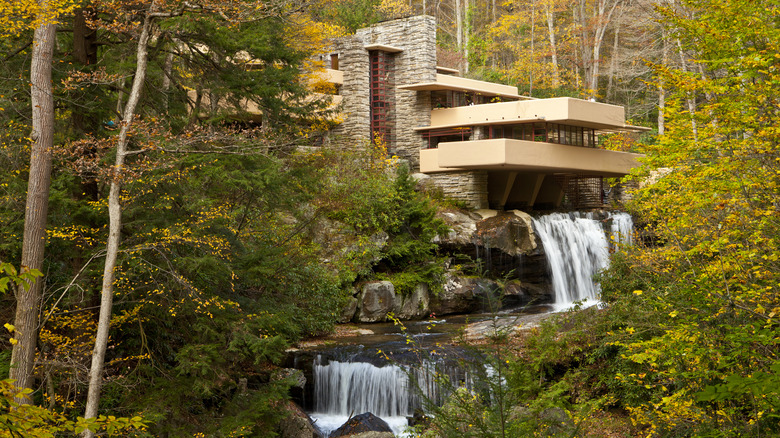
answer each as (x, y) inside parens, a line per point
(446, 82)
(565, 110)
(526, 156)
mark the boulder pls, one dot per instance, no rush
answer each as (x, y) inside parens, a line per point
(462, 225)
(295, 377)
(518, 294)
(365, 422)
(297, 424)
(500, 325)
(415, 305)
(375, 301)
(348, 311)
(512, 234)
(466, 295)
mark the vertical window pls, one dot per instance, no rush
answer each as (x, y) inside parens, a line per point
(380, 97)
(334, 61)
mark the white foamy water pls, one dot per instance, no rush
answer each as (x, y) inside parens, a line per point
(345, 389)
(577, 248)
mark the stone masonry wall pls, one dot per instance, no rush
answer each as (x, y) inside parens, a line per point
(469, 187)
(416, 36)
(416, 63)
(353, 61)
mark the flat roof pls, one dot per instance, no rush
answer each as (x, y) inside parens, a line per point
(384, 48)
(447, 70)
(454, 83)
(564, 110)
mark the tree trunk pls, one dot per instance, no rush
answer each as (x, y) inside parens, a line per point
(691, 99)
(84, 38)
(467, 34)
(661, 84)
(115, 227)
(593, 26)
(36, 208)
(613, 60)
(533, 55)
(167, 74)
(556, 80)
(459, 26)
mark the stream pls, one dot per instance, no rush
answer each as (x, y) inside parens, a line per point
(375, 367)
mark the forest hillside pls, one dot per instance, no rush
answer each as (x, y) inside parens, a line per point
(161, 249)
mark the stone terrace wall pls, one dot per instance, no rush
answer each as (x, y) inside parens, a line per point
(468, 186)
(353, 61)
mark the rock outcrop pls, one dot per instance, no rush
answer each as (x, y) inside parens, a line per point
(466, 295)
(365, 422)
(376, 301)
(415, 305)
(297, 424)
(502, 244)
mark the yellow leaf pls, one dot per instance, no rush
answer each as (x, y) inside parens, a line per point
(13, 341)
(9, 327)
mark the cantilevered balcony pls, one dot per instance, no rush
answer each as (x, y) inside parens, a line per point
(526, 156)
(446, 82)
(547, 136)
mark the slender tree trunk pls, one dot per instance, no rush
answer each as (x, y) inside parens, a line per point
(167, 74)
(34, 240)
(556, 80)
(533, 55)
(613, 60)
(578, 11)
(115, 227)
(459, 26)
(467, 34)
(661, 84)
(691, 99)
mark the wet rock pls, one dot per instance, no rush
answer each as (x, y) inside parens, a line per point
(499, 325)
(512, 234)
(462, 225)
(297, 424)
(466, 295)
(375, 301)
(373, 435)
(519, 294)
(415, 305)
(365, 422)
(348, 311)
(297, 377)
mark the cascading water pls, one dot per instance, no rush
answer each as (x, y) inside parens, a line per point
(344, 389)
(577, 248)
(357, 387)
(622, 228)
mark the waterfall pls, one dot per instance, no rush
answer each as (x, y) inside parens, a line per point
(577, 248)
(622, 228)
(358, 387)
(344, 389)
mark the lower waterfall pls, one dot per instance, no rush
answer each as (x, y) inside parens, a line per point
(345, 389)
(577, 248)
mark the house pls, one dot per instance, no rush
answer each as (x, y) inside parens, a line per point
(480, 142)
